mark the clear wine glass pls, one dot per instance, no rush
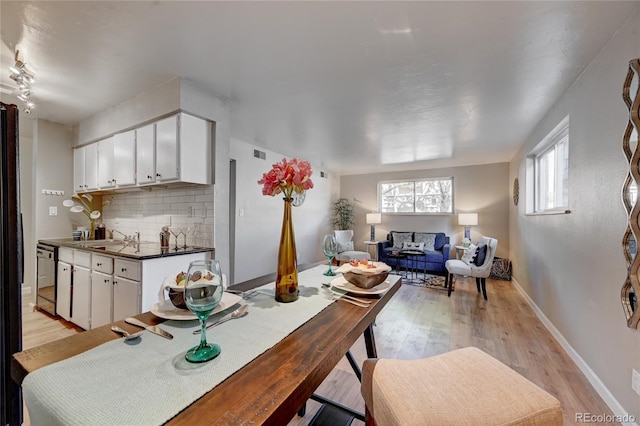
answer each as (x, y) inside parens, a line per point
(175, 232)
(330, 249)
(202, 293)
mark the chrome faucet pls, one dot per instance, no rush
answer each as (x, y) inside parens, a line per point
(128, 238)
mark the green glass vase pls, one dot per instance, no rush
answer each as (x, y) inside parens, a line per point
(287, 277)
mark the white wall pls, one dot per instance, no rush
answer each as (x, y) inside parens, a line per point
(27, 197)
(259, 217)
(572, 266)
(54, 165)
(482, 189)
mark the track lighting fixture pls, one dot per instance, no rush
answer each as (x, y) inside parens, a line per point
(24, 78)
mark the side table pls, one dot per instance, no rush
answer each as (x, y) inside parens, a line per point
(459, 250)
(375, 244)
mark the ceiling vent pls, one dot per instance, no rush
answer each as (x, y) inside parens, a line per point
(259, 154)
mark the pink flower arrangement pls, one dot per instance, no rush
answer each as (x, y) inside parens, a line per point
(287, 177)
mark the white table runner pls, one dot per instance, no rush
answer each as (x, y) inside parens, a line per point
(150, 382)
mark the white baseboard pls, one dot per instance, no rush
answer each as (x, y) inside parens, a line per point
(26, 290)
(613, 404)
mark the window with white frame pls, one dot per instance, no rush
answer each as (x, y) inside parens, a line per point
(548, 172)
(423, 196)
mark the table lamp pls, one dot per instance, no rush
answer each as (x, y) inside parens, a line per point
(467, 220)
(373, 219)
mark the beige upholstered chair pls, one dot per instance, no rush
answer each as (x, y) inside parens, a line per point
(462, 387)
(480, 273)
(346, 250)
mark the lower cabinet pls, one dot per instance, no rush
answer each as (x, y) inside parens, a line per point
(101, 299)
(81, 297)
(126, 298)
(63, 296)
(94, 290)
(114, 296)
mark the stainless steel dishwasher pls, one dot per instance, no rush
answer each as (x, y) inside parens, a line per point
(46, 284)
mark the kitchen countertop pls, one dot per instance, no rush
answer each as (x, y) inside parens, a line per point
(137, 251)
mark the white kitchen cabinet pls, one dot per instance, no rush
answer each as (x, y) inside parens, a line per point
(81, 298)
(105, 164)
(101, 299)
(113, 297)
(176, 149)
(167, 149)
(183, 149)
(63, 291)
(146, 154)
(126, 298)
(85, 168)
(124, 158)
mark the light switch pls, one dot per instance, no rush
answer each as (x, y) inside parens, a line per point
(53, 211)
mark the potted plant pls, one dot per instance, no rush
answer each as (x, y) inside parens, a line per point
(343, 215)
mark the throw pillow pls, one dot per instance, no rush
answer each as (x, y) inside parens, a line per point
(348, 246)
(481, 255)
(467, 257)
(400, 237)
(428, 239)
(409, 245)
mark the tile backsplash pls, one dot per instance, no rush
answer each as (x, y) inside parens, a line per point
(147, 211)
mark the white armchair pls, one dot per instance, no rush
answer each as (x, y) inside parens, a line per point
(346, 250)
(480, 273)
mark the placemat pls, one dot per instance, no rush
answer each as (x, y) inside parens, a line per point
(150, 382)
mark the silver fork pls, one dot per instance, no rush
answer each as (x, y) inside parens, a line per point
(332, 296)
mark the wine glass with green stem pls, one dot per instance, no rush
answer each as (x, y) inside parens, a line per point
(202, 293)
(330, 249)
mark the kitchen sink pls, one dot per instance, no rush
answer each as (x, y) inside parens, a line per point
(107, 243)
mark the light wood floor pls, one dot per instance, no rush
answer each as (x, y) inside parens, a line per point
(421, 322)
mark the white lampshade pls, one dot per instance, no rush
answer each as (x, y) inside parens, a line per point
(374, 218)
(467, 219)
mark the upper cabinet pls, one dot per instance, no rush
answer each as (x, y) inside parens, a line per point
(167, 150)
(183, 149)
(105, 163)
(124, 158)
(85, 168)
(176, 149)
(146, 154)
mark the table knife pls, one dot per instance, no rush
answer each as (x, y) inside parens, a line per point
(152, 328)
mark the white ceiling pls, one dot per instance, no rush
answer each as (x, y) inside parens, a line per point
(353, 86)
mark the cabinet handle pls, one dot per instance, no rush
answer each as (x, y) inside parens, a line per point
(115, 282)
(124, 269)
(98, 264)
(106, 280)
(149, 177)
(158, 175)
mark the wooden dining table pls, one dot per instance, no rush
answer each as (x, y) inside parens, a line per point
(269, 390)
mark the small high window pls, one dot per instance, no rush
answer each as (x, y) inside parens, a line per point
(548, 172)
(424, 196)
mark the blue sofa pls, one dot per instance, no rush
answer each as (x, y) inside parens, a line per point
(437, 250)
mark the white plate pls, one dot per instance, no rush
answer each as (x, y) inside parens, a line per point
(342, 284)
(168, 311)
